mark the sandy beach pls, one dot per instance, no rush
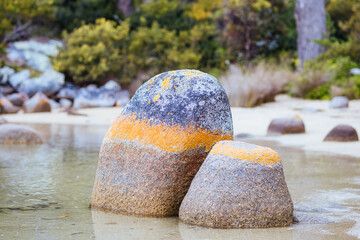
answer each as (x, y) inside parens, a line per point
(253, 122)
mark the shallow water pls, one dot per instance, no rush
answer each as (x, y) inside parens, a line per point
(45, 194)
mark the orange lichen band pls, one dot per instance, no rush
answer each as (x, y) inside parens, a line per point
(263, 155)
(171, 138)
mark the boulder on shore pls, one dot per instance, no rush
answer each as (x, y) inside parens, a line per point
(38, 103)
(289, 125)
(18, 134)
(239, 185)
(6, 106)
(339, 102)
(342, 133)
(152, 151)
(17, 99)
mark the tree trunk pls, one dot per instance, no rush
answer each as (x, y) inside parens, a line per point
(310, 18)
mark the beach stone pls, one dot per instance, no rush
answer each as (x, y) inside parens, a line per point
(342, 133)
(17, 78)
(112, 86)
(2, 120)
(239, 185)
(6, 106)
(6, 90)
(18, 134)
(54, 104)
(5, 73)
(288, 125)
(38, 103)
(67, 93)
(152, 151)
(91, 97)
(17, 99)
(65, 103)
(339, 102)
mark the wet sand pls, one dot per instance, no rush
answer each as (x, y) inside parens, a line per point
(317, 116)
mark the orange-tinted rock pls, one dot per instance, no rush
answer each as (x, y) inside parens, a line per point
(152, 151)
(18, 134)
(342, 133)
(7, 107)
(289, 125)
(239, 185)
(17, 99)
(38, 103)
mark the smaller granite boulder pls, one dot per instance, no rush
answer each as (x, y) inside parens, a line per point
(17, 99)
(6, 90)
(286, 126)
(69, 92)
(5, 73)
(111, 86)
(17, 78)
(65, 103)
(6, 106)
(38, 103)
(18, 134)
(239, 185)
(92, 96)
(339, 102)
(342, 133)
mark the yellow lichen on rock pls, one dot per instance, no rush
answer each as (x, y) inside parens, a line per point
(263, 155)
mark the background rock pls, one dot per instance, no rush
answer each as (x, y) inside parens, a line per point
(289, 125)
(239, 185)
(17, 99)
(18, 134)
(17, 78)
(6, 106)
(38, 103)
(339, 102)
(342, 133)
(5, 73)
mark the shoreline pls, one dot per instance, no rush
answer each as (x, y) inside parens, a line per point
(253, 122)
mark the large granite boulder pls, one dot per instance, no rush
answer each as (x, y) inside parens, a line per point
(6, 106)
(239, 185)
(288, 125)
(152, 151)
(342, 133)
(38, 103)
(5, 73)
(339, 102)
(49, 83)
(18, 134)
(17, 78)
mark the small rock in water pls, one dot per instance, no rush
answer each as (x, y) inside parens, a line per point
(6, 106)
(49, 83)
(342, 133)
(5, 73)
(239, 185)
(18, 134)
(17, 78)
(65, 103)
(339, 102)
(38, 103)
(152, 151)
(286, 126)
(17, 99)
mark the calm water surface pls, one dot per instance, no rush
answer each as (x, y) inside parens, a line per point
(45, 194)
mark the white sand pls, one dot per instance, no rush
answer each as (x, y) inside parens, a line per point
(253, 121)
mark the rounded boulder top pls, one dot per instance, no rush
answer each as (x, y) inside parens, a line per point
(18, 134)
(287, 125)
(239, 185)
(342, 133)
(153, 150)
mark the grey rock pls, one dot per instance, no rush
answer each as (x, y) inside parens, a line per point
(112, 86)
(65, 103)
(5, 73)
(68, 93)
(289, 125)
(92, 96)
(54, 104)
(49, 83)
(355, 71)
(339, 102)
(6, 90)
(6, 106)
(122, 98)
(18, 134)
(38, 103)
(342, 133)
(17, 78)
(239, 185)
(17, 99)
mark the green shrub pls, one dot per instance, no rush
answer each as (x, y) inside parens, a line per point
(94, 51)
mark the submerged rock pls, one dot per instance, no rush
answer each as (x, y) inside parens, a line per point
(342, 133)
(38, 103)
(18, 134)
(17, 99)
(152, 151)
(239, 185)
(6, 106)
(339, 102)
(286, 126)
(5, 73)
(49, 83)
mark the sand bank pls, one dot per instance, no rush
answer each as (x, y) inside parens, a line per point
(317, 116)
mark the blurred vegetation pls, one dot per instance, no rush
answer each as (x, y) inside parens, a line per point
(159, 35)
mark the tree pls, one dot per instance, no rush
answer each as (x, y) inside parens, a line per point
(310, 18)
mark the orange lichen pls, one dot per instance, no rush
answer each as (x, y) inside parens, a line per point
(174, 138)
(156, 97)
(263, 155)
